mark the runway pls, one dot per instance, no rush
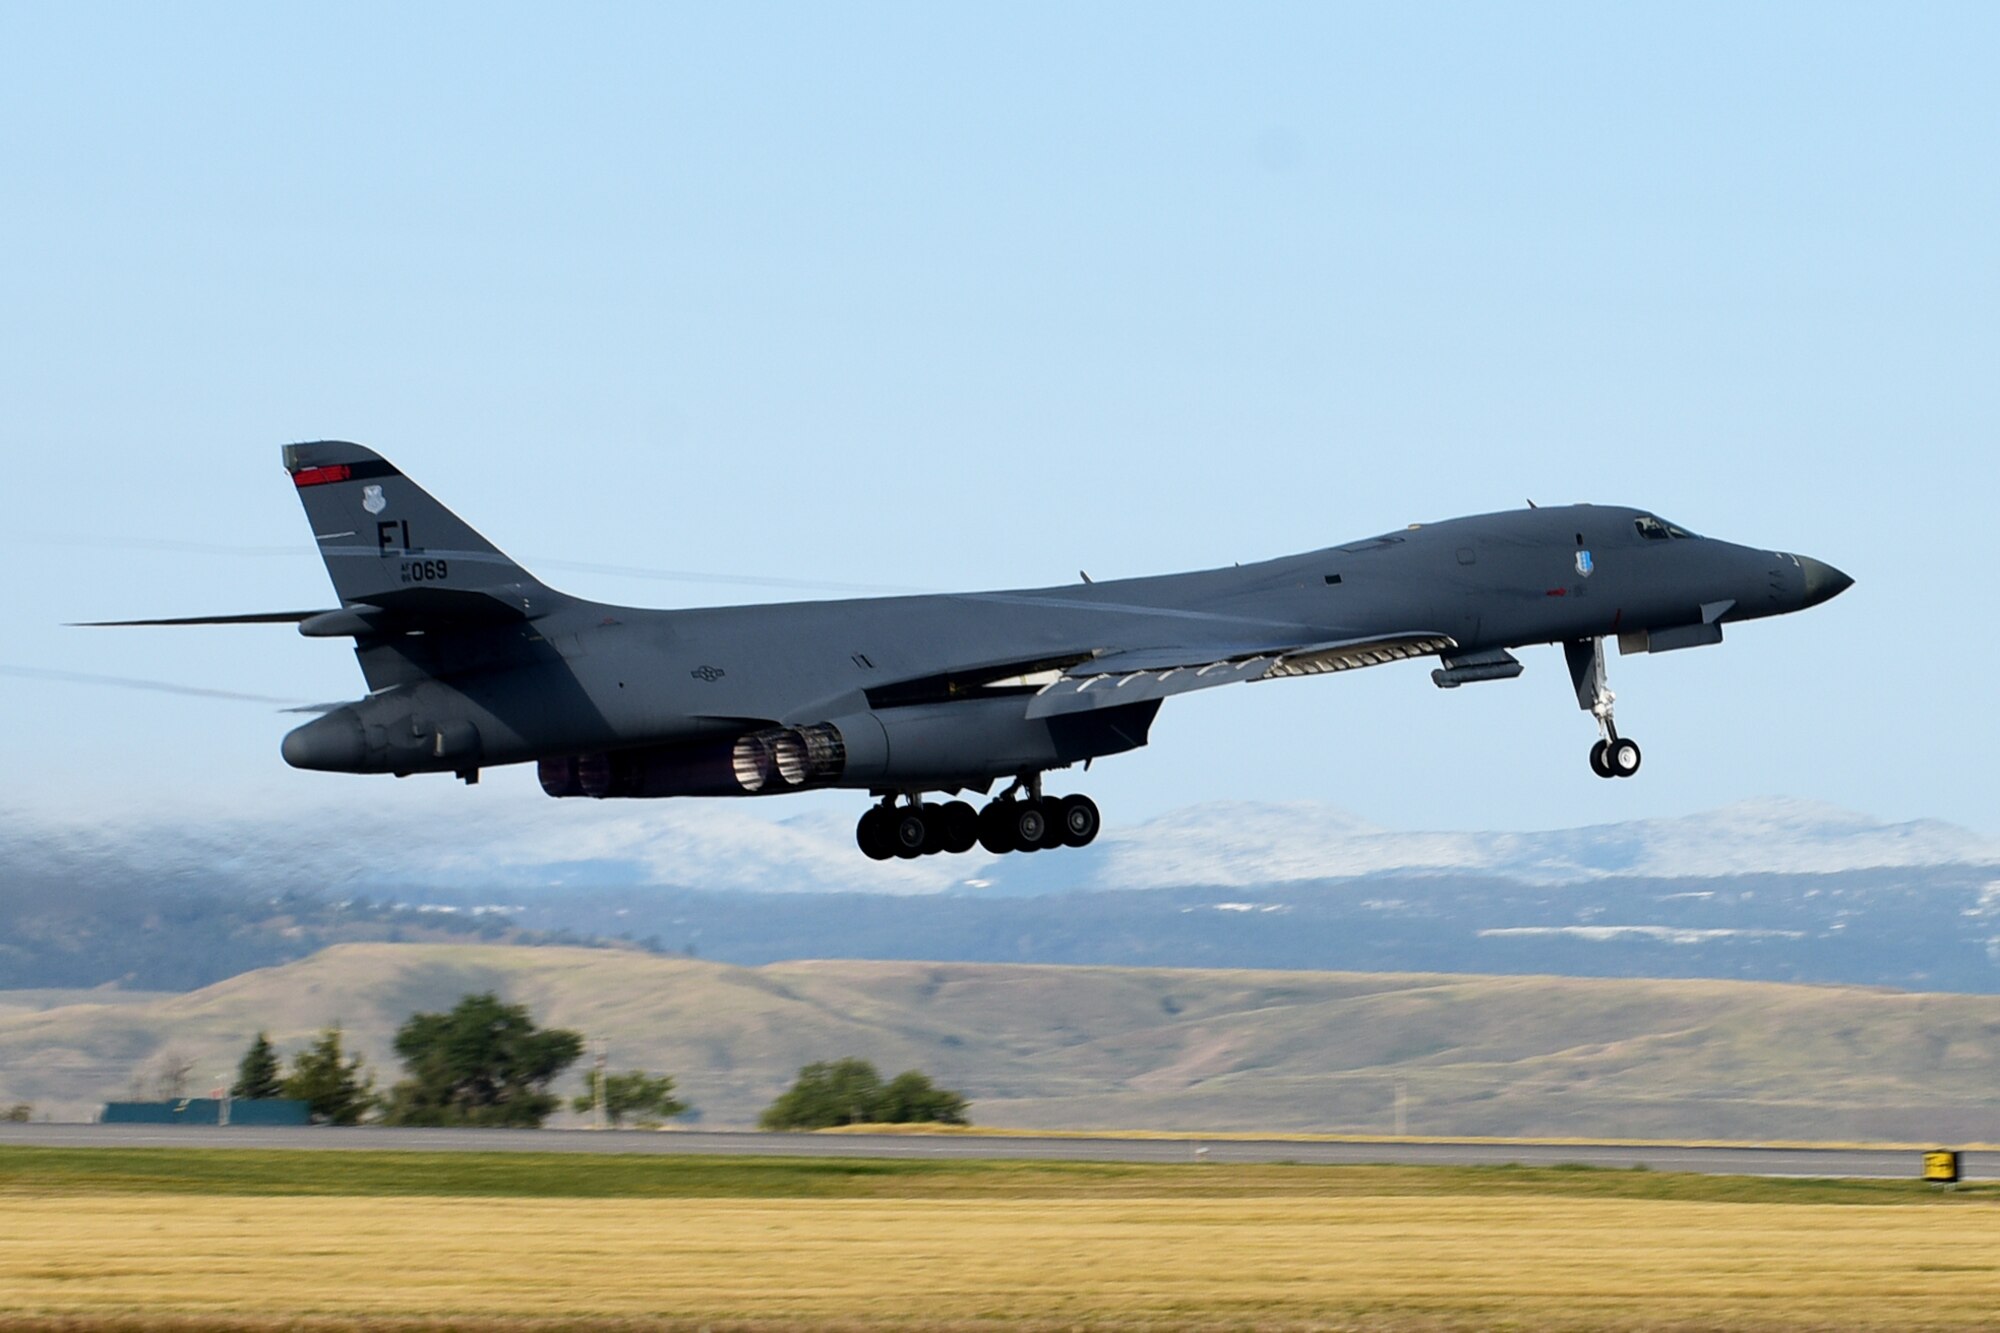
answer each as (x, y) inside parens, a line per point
(1852, 1163)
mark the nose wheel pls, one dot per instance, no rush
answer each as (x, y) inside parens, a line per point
(1613, 756)
(1616, 758)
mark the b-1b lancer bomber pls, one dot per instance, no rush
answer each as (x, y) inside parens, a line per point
(472, 662)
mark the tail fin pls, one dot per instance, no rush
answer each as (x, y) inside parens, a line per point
(388, 544)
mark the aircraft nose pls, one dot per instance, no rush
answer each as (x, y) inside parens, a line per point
(1823, 581)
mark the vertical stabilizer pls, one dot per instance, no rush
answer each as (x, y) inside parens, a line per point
(388, 543)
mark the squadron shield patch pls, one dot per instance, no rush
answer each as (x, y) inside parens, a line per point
(1584, 564)
(372, 499)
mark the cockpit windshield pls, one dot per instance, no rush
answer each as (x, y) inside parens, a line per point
(1653, 529)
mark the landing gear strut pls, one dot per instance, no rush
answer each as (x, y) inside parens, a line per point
(1613, 756)
(1020, 820)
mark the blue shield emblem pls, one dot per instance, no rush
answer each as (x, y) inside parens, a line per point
(1584, 564)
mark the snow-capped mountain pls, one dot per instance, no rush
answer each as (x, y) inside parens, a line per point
(716, 846)
(1244, 843)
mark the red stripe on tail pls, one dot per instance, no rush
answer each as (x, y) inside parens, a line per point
(320, 476)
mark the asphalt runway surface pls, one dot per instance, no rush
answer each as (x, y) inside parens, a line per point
(1854, 1163)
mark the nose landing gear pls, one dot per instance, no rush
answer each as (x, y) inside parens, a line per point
(1617, 757)
(1613, 756)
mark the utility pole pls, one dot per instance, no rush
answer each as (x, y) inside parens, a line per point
(603, 1058)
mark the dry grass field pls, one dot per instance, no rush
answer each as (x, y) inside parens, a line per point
(1456, 1261)
(979, 1245)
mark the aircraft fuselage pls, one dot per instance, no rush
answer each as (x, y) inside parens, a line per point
(945, 676)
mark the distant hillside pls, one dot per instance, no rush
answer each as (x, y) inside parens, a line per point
(515, 841)
(1919, 928)
(1768, 891)
(1112, 1047)
(81, 935)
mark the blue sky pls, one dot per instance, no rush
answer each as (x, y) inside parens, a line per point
(944, 297)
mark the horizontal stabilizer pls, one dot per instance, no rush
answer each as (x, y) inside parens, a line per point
(253, 618)
(392, 612)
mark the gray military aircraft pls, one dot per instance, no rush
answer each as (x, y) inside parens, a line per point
(472, 662)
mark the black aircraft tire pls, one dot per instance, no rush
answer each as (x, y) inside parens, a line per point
(909, 833)
(1030, 826)
(959, 826)
(872, 836)
(1598, 763)
(1052, 825)
(1622, 759)
(1078, 820)
(996, 828)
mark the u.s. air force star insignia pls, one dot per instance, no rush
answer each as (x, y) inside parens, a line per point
(709, 674)
(372, 500)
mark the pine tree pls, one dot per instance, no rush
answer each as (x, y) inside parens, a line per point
(339, 1092)
(258, 1076)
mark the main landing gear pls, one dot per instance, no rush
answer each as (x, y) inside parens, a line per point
(1613, 756)
(1021, 820)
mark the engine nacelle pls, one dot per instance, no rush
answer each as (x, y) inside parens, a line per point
(967, 743)
(758, 763)
(922, 747)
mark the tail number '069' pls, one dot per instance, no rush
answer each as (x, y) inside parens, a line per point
(423, 571)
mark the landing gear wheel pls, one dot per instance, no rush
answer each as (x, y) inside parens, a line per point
(1622, 758)
(872, 833)
(1598, 764)
(909, 832)
(1052, 823)
(1078, 821)
(996, 827)
(958, 827)
(1030, 826)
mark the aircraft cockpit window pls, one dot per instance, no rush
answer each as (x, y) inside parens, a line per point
(1652, 529)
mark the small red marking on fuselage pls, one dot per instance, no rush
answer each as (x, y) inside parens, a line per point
(1556, 592)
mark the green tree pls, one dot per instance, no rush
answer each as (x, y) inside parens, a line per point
(335, 1086)
(826, 1093)
(18, 1114)
(850, 1092)
(911, 1098)
(258, 1076)
(637, 1094)
(484, 1063)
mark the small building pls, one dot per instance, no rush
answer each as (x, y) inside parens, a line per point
(209, 1111)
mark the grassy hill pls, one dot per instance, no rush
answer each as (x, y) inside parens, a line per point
(1123, 1047)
